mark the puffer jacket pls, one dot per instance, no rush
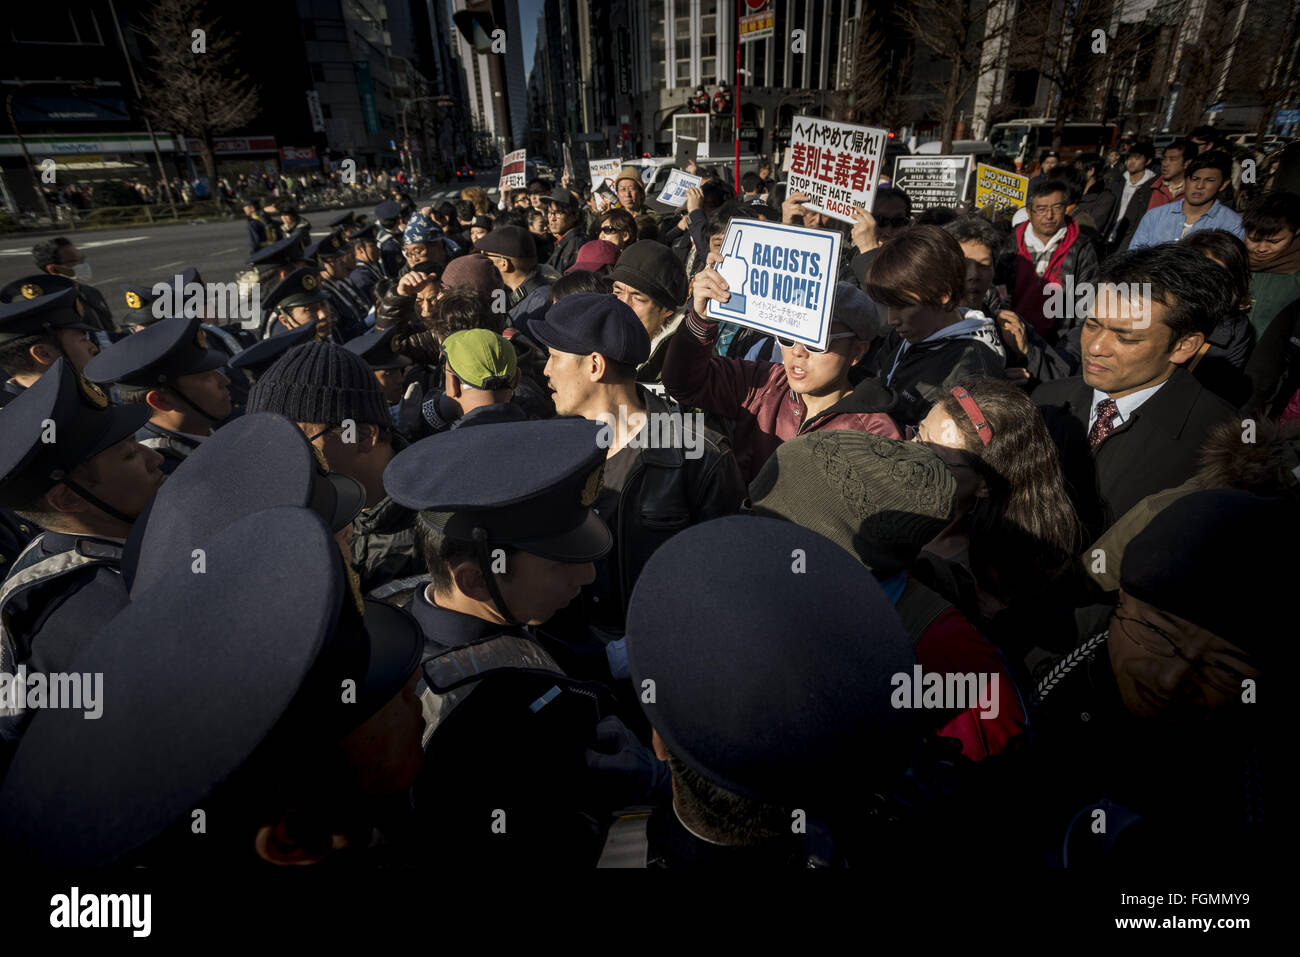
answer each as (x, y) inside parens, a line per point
(757, 396)
(384, 547)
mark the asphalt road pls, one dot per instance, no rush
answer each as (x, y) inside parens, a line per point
(149, 254)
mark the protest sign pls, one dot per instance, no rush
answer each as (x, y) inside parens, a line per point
(674, 191)
(932, 180)
(782, 279)
(837, 164)
(568, 163)
(997, 187)
(603, 169)
(512, 170)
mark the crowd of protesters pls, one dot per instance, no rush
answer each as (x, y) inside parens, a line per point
(701, 652)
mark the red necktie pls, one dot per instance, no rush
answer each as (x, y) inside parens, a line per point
(1107, 413)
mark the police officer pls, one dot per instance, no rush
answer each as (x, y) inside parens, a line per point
(261, 355)
(379, 348)
(69, 463)
(293, 225)
(36, 330)
(139, 313)
(507, 530)
(284, 752)
(261, 231)
(169, 368)
(350, 307)
(389, 238)
(368, 271)
(808, 727)
(299, 300)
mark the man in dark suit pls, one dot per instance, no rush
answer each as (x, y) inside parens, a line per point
(1133, 423)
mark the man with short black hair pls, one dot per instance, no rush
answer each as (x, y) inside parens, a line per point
(1132, 423)
(563, 219)
(1136, 175)
(1169, 185)
(513, 252)
(1207, 176)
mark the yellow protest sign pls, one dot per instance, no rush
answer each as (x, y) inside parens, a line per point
(997, 187)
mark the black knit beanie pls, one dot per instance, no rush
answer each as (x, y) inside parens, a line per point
(321, 382)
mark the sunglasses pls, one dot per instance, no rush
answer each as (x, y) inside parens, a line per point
(815, 350)
(610, 229)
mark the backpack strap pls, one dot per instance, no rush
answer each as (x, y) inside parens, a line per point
(919, 607)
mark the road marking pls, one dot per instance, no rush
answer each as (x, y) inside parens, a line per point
(27, 251)
(232, 249)
(165, 265)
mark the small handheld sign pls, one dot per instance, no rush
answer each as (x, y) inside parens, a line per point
(513, 175)
(782, 279)
(674, 191)
(997, 187)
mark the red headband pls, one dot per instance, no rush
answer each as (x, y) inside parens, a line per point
(982, 428)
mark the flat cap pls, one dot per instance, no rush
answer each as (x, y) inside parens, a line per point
(593, 322)
(769, 681)
(530, 485)
(157, 355)
(513, 242)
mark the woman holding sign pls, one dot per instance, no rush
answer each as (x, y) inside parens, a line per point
(771, 402)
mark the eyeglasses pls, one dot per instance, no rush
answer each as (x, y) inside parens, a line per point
(1054, 208)
(815, 350)
(1148, 637)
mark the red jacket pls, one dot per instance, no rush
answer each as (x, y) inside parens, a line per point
(1161, 194)
(758, 397)
(1028, 296)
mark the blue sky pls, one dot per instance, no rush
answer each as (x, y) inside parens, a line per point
(529, 11)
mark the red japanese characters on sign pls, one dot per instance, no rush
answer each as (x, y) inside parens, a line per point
(837, 165)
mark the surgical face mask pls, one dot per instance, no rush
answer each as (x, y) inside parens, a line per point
(81, 272)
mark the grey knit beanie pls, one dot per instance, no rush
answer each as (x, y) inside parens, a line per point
(880, 499)
(321, 382)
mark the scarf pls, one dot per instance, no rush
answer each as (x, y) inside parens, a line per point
(1283, 262)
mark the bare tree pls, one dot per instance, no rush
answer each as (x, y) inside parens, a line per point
(195, 86)
(956, 32)
(879, 75)
(1278, 71)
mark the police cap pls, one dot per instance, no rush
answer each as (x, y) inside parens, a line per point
(327, 247)
(38, 313)
(205, 671)
(387, 210)
(255, 462)
(49, 428)
(731, 597)
(280, 253)
(157, 356)
(529, 485)
(261, 355)
(29, 287)
(300, 288)
(139, 301)
(379, 348)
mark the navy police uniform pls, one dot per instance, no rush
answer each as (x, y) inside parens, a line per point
(62, 586)
(350, 306)
(35, 310)
(202, 696)
(302, 287)
(155, 358)
(390, 241)
(506, 727)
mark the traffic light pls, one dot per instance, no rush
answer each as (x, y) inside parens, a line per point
(478, 20)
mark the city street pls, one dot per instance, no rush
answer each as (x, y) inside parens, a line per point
(148, 254)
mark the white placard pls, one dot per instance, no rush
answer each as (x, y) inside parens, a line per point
(782, 279)
(836, 164)
(932, 181)
(513, 170)
(603, 169)
(674, 191)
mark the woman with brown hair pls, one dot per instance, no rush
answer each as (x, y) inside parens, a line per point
(479, 197)
(616, 226)
(1017, 531)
